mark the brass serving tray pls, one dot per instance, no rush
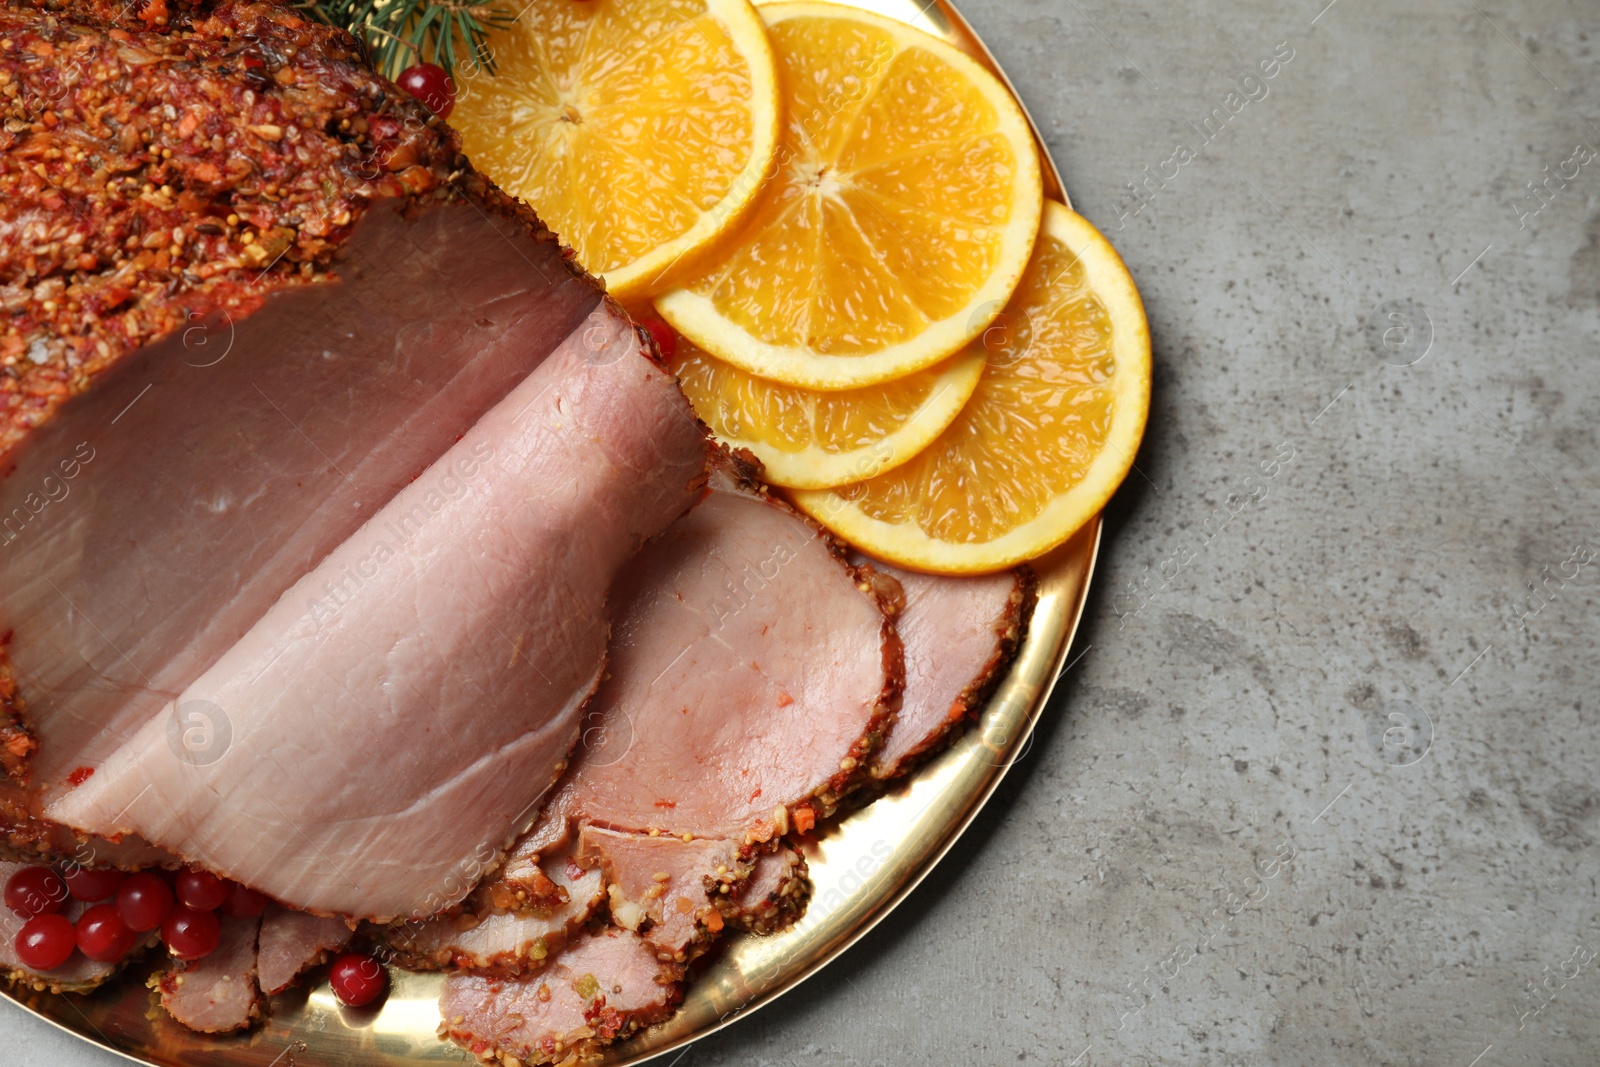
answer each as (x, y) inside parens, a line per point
(862, 868)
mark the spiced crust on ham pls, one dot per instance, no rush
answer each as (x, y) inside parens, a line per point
(164, 161)
(607, 986)
(772, 896)
(500, 935)
(645, 612)
(177, 176)
(960, 634)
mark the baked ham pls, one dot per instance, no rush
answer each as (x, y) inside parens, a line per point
(664, 888)
(507, 935)
(321, 460)
(251, 290)
(606, 986)
(292, 942)
(772, 895)
(752, 673)
(271, 344)
(368, 769)
(958, 633)
(217, 993)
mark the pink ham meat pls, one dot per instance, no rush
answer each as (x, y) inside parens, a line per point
(292, 942)
(217, 993)
(492, 939)
(187, 430)
(78, 974)
(664, 888)
(398, 716)
(750, 673)
(958, 634)
(275, 438)
(604, 987)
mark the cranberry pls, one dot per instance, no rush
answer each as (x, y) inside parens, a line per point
(35, 891)
(357, 979)
(666, 337)
(102, 935)
(89, 886)
(431, 85)
(243, 902)
(191, 934)
(201, 890)
(45, 942)
(144, 901)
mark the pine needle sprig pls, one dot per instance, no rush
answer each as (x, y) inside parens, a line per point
(453, 34)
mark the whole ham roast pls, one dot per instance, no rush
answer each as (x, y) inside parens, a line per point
(321, 453)
(337, 502)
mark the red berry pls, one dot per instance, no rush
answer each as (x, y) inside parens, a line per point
(201, 890)
(144, 901)
(191, 934)
(666, 337)
(45, 942)
(102, 935)
(243, 902)
(35, 891)
(357, 979)
(89, 886)
(431, 85)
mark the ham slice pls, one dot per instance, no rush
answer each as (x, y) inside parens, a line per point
(292, 942)
(217, 993)
(332, 399)
(603, 987)
(751, 673)
(497, 941)
(664, 888)
(398, 716)
(959, 633)
(187, 432)
(774, 894)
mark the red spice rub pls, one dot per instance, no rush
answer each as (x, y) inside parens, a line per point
(159, 161)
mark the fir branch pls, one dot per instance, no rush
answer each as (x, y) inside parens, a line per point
(453, 34)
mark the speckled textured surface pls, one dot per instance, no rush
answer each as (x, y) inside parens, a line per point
(1344, 664)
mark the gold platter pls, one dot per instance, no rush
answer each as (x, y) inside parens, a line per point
(862, 868)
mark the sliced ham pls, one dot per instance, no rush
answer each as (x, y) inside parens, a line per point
(603, 987)
(773, 895)
(958, 634)
(217, 993)
(751, 673)
(292, 942)
(185, 439)
(664, 888)
(497, 941)
(389, 742)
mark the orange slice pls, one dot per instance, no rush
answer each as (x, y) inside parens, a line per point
(639, 130)
(808, 439)
(903, 206)
(1047, 437)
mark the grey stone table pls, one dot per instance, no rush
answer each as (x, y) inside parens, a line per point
(1321, 786)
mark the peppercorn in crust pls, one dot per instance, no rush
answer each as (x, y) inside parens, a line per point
(160, 162)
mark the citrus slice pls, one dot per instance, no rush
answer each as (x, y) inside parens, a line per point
(809, 439)
(904, 201)
(639, 130)
(1047, 437)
